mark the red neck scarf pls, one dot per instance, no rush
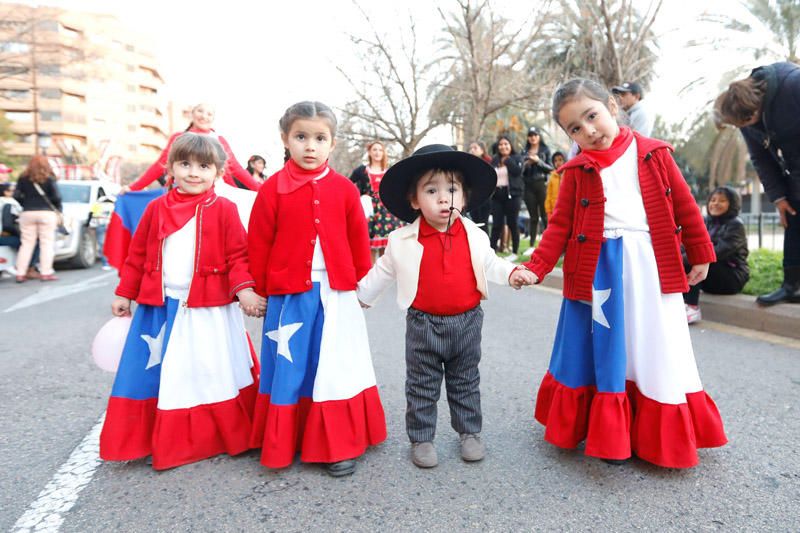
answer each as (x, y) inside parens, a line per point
(605, 158)
(177, 209)
(292, 176)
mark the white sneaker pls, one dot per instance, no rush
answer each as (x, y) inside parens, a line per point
(107, 267)
(528, 252)
(693, 314)
(511, 257)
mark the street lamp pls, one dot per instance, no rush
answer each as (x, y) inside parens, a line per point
(45, 140)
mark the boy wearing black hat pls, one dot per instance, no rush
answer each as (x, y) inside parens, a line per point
(441, 263)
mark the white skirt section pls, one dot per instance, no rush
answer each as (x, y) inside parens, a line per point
(207, 359)
(660, 359)
(345, 364)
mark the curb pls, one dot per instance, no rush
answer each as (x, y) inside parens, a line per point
(738, 310)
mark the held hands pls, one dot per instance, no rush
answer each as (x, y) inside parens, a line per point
(520, 277)
(251, 303)
(697, 274)
(121, 306)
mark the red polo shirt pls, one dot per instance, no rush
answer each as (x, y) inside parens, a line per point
(447, 284)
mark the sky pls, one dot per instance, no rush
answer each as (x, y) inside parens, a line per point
(254, 59)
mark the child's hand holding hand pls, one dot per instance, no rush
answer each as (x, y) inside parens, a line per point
(252, 304)
(520, 277)
(121, 306)
(697, 274)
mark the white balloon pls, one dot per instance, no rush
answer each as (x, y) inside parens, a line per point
(108, 343)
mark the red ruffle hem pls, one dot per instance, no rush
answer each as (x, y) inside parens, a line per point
(134, 429)
(323, 432)
(616, 424)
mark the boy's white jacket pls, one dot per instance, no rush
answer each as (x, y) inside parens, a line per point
(403, 257)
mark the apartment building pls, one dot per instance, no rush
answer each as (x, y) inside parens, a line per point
(85, 81)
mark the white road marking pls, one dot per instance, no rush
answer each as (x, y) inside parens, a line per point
(61, 493)
(59, 291)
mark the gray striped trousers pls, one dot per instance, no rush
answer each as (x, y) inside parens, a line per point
(448, 346)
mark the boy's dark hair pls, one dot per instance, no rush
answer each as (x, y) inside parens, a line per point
(451, 173)
(201, 148)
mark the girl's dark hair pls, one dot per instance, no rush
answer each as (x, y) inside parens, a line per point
(307, 109)
(552, 157)
(740, 102)
(734, 200)
(201, 148)
(253, 159)
(38, 169)
(577, 88)
(4, 187)
(502, 137)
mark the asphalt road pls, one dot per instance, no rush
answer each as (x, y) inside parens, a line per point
(52, 396)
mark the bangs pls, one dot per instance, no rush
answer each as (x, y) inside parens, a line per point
(201, 148)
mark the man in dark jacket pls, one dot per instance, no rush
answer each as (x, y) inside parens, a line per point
(766, 107)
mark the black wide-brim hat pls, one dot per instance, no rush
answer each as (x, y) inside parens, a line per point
(479, 177)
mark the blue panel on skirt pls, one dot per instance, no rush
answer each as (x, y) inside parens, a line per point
(139, 372)
(589, 348)
(290, 346)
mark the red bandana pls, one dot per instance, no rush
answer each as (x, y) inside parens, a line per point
(605, 158)
(292, 176)
(177, 209)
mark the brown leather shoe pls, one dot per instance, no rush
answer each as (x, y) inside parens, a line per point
(33, 274)
(48, 277)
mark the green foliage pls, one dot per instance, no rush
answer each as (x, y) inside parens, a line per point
(766, 271)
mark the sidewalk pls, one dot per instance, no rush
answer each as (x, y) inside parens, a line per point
(738, 310)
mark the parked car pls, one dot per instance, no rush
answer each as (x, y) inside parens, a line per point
(79, 248)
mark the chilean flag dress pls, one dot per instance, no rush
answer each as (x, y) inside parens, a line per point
(318, 394)
(187, 380)
(622, 374)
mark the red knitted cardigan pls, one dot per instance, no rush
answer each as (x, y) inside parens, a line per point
(575, 228)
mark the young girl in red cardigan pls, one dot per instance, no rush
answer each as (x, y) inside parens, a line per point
(622, 374)
(308, 247)
(187, 380)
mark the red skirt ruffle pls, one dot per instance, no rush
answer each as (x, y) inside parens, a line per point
(137, 428)
(323, 432)
(616, 424)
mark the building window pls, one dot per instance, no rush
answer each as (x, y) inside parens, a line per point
(131, 88)
(50, 116)
(13, 47)
(132, 128)
(50, 94)
(132, 147)
(19, 116)
(129, 47)
(16, 94)
(130, 68)
(24, 138)
(49, 70)
(49, 25)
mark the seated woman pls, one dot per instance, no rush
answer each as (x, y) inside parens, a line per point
(730, 273)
